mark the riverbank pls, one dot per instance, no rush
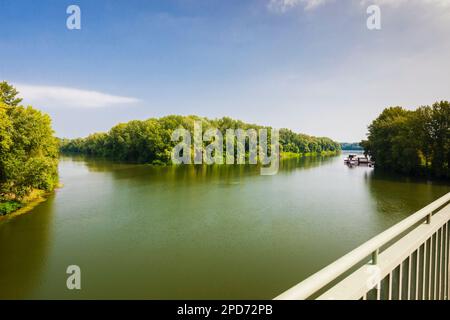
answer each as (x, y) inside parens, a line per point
(283, 155)
(13, 209)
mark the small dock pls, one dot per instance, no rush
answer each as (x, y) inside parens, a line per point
(358, 160)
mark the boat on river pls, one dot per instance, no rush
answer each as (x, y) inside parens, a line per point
(358, 160)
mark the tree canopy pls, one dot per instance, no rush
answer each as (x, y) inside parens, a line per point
(412, 141)
(149, 141)
(8, 94)
(28, 149)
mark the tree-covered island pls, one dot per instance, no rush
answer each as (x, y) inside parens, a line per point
(150, 141)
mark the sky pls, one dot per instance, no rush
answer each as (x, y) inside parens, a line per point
(309, 65)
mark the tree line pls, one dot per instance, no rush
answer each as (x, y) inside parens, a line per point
(149, 141)
(28, 151)
(351, 146)
(415, 142)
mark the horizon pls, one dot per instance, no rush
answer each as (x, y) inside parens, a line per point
(309, 66)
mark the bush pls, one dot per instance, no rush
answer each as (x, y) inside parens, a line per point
(8, 207)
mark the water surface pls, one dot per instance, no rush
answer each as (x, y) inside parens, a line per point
(191, 232)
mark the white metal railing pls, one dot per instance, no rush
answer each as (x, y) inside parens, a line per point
(408, 261)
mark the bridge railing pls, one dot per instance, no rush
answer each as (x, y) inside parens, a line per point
(407, 261)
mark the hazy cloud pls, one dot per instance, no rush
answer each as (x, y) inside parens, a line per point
(284, 5)
(55, 96)
(396, 3)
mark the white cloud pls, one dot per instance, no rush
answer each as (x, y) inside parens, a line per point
(284, 5)
(55, 97)
(397, 3)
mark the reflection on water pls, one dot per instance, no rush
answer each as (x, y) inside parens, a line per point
(140, 231)
(396, 195)
(23, 251)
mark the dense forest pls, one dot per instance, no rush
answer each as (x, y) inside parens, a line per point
(415, 142)
(149, 141)
(28, 151)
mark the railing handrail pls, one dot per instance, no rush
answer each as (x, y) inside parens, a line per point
(314, 283)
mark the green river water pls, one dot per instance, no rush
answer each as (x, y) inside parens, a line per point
(204, 232)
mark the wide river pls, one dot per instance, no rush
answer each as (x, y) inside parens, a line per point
(208, 232)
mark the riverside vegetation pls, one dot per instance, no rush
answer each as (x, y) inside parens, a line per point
(28, 152)
(413, 142)
(149, 141)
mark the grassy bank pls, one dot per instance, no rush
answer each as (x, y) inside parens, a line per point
(9, 206)
(9, 209)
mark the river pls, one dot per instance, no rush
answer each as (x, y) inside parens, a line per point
(203, 232)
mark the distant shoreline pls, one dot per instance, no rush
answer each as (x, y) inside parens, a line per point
(290, 155)
(283, 155)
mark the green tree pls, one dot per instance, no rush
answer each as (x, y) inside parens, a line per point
(5, 137)
(28, 149)
(8, 95)
(411, 142)
(149, 141)
(439, 136)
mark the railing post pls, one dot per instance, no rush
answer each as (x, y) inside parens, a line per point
(375, 256)
(429, 218)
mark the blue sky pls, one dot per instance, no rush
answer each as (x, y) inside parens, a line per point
(309, 65)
